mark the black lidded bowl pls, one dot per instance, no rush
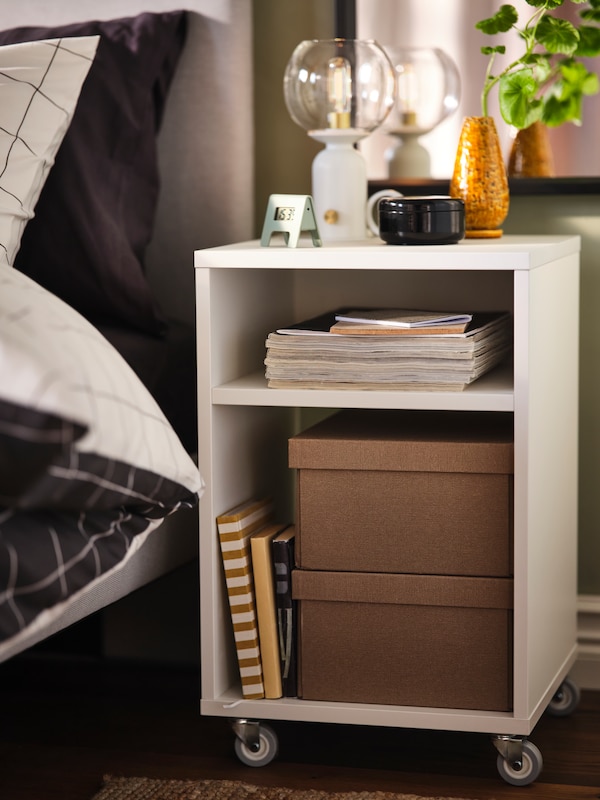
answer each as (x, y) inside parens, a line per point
(431, 219)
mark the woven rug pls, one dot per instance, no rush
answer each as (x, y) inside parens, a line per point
(153, 789)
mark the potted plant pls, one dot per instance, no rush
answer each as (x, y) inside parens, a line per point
(544, 85)
(548, 81)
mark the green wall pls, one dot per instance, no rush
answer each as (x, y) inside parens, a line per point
(283, 157)
(283, 151)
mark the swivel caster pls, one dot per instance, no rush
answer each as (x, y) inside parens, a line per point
(256, 744)
(566, 699)
(519, 761)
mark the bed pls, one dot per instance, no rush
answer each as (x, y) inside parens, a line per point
(119, 164)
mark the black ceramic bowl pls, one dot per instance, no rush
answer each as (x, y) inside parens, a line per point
(421, 220)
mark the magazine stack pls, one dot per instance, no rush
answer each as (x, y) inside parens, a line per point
(400, 349)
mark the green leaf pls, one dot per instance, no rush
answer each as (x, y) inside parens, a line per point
(557, 35)
(557, 112)
(518, 103)
(548, 3)
(541, 65)
(589, 41)
(592, 84)
(502, 21)
(590, 14)
(564, 103)
(575, 79)
(488, 51)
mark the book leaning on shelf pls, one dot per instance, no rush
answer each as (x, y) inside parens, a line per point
(283, 564)
(261, 547)
(235, 527)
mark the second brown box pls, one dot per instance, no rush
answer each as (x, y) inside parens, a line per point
(413, 640)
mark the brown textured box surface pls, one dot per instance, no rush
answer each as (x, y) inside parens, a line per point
(414, 640)
(402, 491)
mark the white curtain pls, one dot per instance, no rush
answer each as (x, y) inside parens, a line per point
(450, 25)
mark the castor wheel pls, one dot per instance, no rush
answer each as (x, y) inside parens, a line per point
(524, 770)
(566, 699)
(256, 744)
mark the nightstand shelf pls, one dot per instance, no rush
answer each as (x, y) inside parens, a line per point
(492, 392)
(245, 291)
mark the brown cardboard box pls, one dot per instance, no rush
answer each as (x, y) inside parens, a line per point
(406, 491)
(414, 640)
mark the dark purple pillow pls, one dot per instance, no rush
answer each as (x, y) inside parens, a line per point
(95, 215)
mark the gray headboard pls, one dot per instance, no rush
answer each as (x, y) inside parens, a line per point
(206, 142)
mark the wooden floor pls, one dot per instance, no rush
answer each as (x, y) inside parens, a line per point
(64, 723)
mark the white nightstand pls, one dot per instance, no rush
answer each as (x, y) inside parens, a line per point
(244, 291)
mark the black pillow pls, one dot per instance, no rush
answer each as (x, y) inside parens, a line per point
(95, 215)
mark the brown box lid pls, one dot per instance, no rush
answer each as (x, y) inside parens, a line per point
(421, 441)
(396, 589)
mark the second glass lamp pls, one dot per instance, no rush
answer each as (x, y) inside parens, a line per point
(339, 91)
(427, 91)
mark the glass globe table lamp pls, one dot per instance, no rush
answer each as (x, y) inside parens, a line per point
(427, 91)
(339, 91)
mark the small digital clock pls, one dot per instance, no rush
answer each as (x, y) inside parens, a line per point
(290, 215)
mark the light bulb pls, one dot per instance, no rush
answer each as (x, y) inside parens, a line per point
(339, 92)
(408, 93)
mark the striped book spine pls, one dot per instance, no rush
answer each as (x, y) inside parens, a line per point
(235, 528)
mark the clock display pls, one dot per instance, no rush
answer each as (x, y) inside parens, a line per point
(284, 213)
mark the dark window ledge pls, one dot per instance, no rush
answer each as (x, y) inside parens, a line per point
(517, 186)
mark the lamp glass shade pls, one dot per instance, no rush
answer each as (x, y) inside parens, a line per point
(339, 84)
(427, 89)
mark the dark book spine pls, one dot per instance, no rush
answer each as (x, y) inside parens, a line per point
(283, 563)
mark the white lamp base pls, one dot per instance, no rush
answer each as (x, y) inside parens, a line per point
(339, 188)
(408, 158)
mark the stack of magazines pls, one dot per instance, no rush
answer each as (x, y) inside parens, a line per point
(388, 349)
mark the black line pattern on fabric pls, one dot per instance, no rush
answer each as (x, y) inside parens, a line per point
(77, 559)
(99, 465)
(78, 517)
(37, 92)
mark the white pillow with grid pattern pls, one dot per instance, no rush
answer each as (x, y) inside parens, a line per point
(40, 83)
(114, 447)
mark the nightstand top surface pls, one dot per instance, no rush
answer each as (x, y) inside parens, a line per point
(507, 253)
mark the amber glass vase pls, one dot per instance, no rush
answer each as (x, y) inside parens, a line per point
(531, 153)
(479, 178)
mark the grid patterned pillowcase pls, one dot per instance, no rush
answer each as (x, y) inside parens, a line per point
(73, 407)
(40, 83)
(88, 462)
(95, 216)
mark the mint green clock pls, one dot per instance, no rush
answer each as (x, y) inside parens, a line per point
(290, 215)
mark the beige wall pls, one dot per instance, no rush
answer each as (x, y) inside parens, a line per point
(284, 152)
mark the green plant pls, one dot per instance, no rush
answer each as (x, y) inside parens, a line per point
(549, 80)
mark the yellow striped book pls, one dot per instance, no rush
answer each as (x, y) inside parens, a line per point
(235, 527)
